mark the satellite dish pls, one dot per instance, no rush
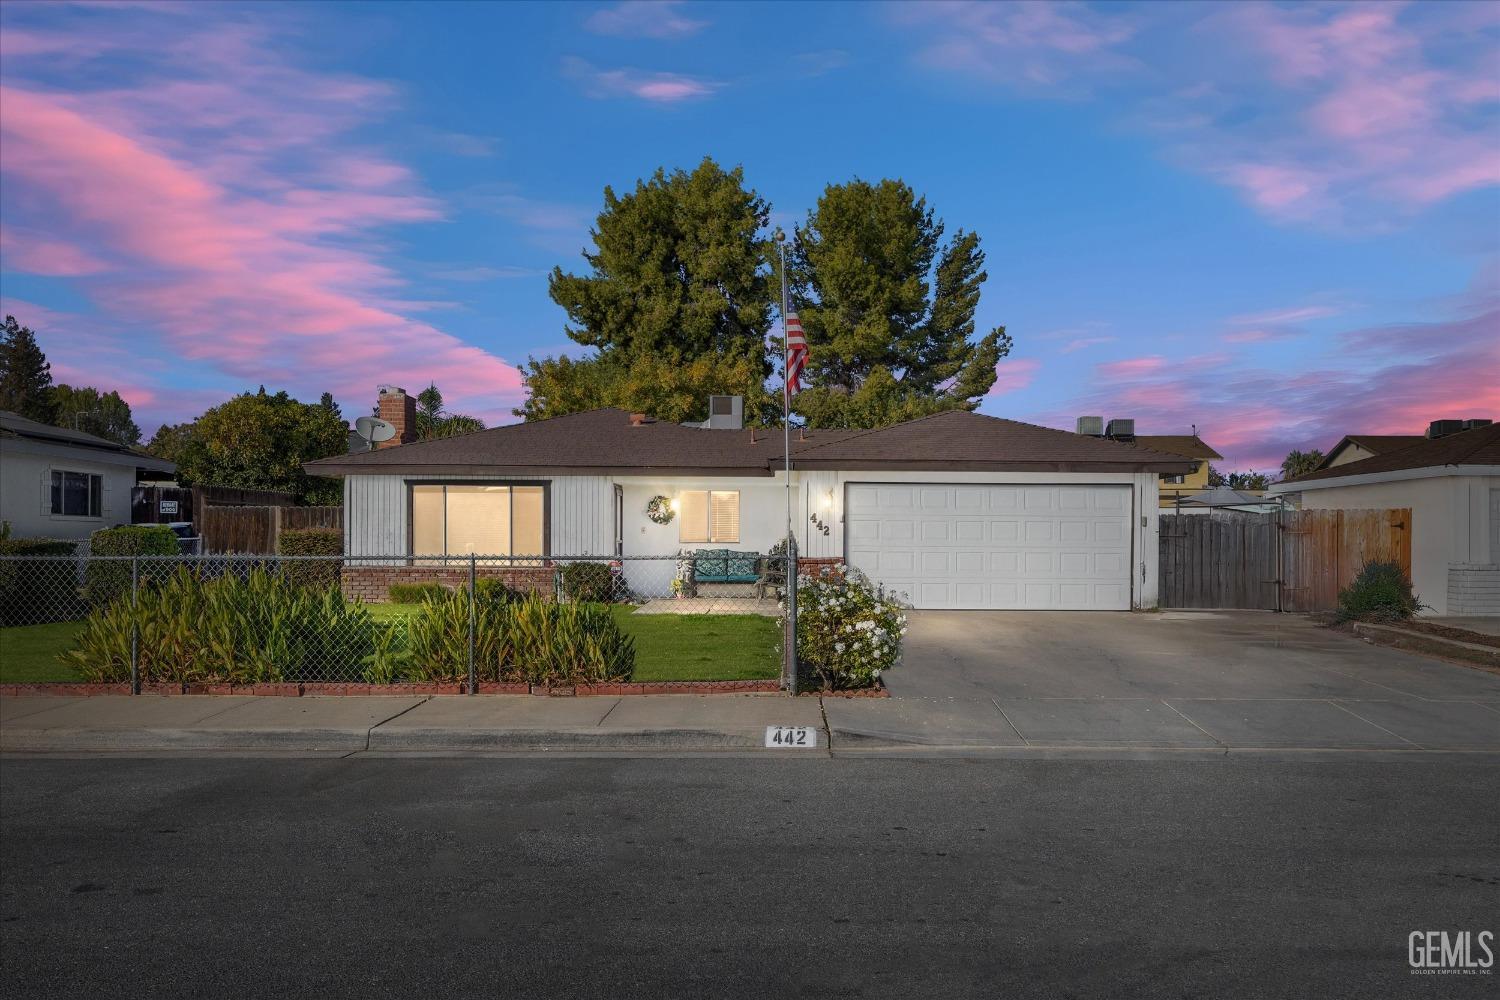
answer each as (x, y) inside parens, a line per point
(374, 430)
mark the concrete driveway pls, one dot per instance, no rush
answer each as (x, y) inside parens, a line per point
(1173, 680)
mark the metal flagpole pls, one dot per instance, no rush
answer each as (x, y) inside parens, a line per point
(786, 427)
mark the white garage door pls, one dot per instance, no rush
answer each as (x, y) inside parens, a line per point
(951, 546)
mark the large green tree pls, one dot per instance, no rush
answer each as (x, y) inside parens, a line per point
(87, 409)
(25, 375)
(257, 441)
(677, 284)
(888, 308)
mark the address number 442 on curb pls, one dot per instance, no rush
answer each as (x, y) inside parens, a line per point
(795, 737)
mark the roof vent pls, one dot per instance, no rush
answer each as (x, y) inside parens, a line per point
(1091, 426)
(726, 413)
(1442, 428)
(639, 420)
(1121, 429)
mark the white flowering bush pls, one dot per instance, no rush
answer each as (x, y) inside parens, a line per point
(848, 631)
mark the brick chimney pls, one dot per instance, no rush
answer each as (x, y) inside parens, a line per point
(399, 410)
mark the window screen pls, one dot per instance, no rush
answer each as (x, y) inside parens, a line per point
(708, 516)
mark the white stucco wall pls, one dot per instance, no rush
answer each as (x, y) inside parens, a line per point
(1451, 524)
(582, 514)
(26, 484)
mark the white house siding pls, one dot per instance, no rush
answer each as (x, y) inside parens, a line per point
(580, 512)
(1450, 534)
(26, 490)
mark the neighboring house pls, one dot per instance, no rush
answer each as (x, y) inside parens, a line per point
(61, 483)
(1180, 484)
(1222, 498)
(1451, 482)
(956, 510)
(1358, 447)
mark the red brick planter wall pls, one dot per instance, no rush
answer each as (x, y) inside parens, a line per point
(372, 584)
(819, 566)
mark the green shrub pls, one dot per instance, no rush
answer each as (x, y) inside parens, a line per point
(415, 593)
(491, 589)
(588, 581)
(311, 542)
(105, 580)
(1380, 591)
(848, 631)
(37, 590)
(232, 629)
(530, 639)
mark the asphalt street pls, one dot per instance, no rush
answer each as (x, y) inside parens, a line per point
(737, 877)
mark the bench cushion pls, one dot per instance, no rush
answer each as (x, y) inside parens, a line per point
(742, 565)
(711, 563)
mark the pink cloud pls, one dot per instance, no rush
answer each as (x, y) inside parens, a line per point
(1381, 380)
(1012, 375)
(658, 88)
(644, 19)
(242, 261)
(37, 253)
(1347, 115)
(1083, 343)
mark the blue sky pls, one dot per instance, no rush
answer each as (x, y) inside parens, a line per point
(1280, 223)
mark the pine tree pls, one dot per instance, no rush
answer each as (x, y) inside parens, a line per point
(678, 279)
(888, 309)
(25, 375)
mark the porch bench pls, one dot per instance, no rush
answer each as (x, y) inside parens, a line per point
(730, 566)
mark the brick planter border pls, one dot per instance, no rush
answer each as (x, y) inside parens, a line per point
(336, 689)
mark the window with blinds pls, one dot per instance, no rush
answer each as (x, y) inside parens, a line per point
(708, 516)
(460, 519)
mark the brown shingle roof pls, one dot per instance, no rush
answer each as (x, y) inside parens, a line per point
(1480, 446)
(1190, 445)
(959, 439)
(604, 442)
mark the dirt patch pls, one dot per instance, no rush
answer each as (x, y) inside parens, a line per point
(1475, 659)
(1449, 632)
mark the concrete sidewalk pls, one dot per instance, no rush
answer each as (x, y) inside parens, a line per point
(342, 725)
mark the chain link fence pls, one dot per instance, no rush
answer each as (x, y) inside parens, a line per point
(240, 619)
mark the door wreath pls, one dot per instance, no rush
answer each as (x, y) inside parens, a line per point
(659, 509)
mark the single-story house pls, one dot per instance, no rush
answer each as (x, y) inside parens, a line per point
(1356, 447)
(1451, 481)
(61, 483)
(956, 510)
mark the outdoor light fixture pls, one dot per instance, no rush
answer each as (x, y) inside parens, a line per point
(676, 505)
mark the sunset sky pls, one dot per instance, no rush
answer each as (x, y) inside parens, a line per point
(1281, 223)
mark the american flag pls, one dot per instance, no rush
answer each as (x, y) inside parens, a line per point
(796, 354)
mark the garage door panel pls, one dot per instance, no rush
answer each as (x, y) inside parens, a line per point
(1050, 547)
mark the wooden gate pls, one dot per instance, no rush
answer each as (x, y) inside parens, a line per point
(1297, 560)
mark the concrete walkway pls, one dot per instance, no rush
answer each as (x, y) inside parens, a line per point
(343, 725)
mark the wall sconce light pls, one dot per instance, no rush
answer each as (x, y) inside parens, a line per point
(828, 500)
(676, 505)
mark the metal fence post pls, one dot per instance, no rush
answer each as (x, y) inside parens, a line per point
(789, 642)
(473, 613)
(135, 628)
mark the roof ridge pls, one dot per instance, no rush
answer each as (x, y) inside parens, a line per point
(860, 432)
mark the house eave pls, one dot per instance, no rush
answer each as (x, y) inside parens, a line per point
(331, 468)
(870, 465)
(1394, 476)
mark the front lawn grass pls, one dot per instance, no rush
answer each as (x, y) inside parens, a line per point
(702, 647)
(28, 653)
(667, 647)
(683, 647)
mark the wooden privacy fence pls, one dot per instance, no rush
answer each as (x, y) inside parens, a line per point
(1296, 560)
(254, 530)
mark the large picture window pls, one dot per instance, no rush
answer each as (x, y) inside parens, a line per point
(77, 494)
(708, 516)
(507, 522)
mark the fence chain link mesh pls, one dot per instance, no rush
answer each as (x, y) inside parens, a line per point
(244, 619)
